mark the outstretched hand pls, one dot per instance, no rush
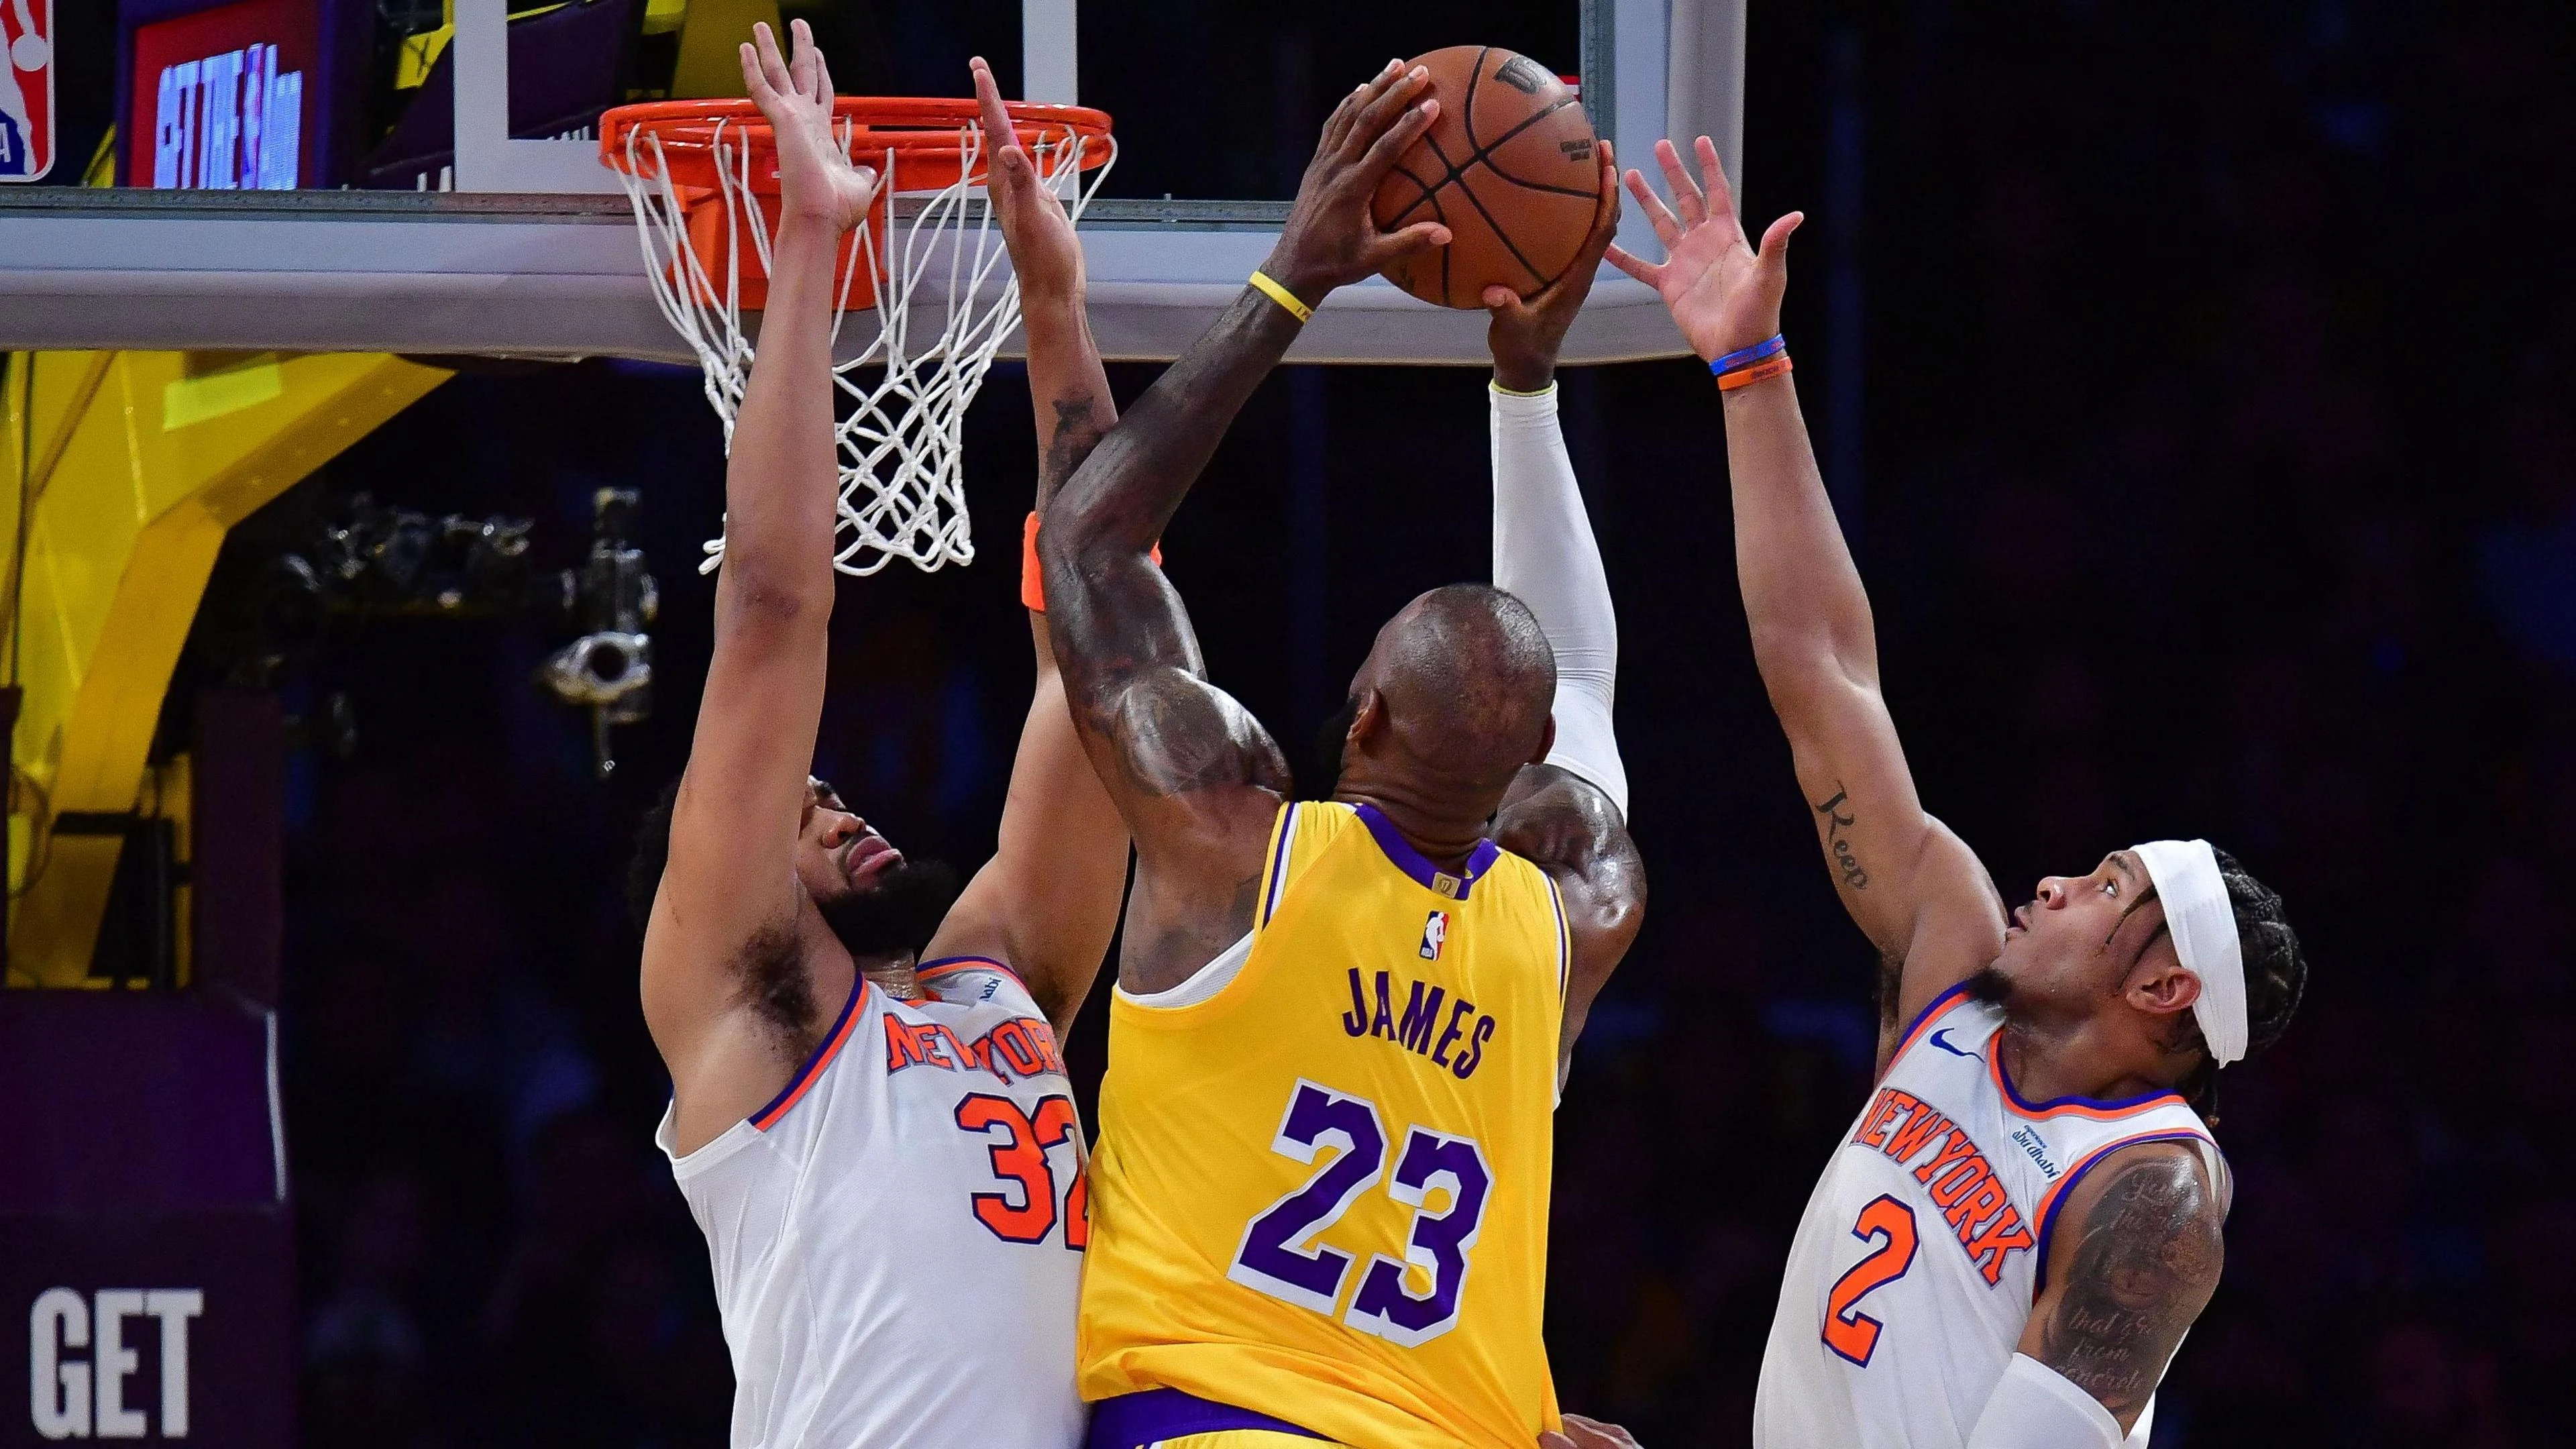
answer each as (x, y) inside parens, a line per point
(1723, 294)
(1330, 239)
(816, 178)
(1045, 254)
(1583, 1433)
(1526, 332)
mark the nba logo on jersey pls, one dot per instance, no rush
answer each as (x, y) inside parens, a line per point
(26, 89)
(1435, 933)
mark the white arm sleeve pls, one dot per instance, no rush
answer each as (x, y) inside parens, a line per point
(2035, 1407)
(1544, 553)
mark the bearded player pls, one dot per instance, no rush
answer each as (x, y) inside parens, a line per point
(869, 1114)
(2007, 1247)
(1320, 1203)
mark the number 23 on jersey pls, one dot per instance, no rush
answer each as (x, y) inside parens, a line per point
(1443, 1178)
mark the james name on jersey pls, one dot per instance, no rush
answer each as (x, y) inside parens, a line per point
(1457, 1043)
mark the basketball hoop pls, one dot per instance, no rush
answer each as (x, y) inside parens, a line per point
(703, 178)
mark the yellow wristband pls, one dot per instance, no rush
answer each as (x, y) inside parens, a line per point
(1281, 295)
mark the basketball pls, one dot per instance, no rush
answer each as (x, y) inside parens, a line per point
(1507, 166)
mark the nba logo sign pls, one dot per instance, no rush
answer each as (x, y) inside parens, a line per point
(26, 89)
(1435, 934)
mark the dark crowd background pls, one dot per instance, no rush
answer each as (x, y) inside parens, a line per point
(2197, 383)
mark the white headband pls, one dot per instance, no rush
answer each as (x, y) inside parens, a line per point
(2204, 933)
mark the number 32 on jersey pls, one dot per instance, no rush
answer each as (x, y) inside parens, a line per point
(1019, 1143)
(1282, 1254)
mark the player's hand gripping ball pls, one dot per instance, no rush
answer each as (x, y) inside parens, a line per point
(1508, 167)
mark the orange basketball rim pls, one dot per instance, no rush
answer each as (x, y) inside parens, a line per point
(720, 159)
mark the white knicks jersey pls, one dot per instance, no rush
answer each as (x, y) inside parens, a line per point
(898, 1236)
(1922, 1250)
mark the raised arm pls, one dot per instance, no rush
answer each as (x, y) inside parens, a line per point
(1568, 815)
(1195, 777)
(1915, 889)
(730, 878)
(1047, 902)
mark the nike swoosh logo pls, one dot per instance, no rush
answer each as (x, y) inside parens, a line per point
(1935, 1039)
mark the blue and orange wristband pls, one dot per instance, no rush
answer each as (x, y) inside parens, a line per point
(1760, 362)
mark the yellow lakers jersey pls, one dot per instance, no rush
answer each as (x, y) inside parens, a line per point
(1321, 1192)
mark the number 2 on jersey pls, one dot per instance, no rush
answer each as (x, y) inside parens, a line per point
(1848, 1331)
(1020, 1159)
(1271, 1260)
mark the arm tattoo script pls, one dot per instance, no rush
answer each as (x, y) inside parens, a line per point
(1838, 822)
(2146, 1264)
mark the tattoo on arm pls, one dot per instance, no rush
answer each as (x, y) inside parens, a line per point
(1174, 734)
(2146, 1264)
(1838, 822)
(1129, 657)
(1568, 828)
(1077, 432)
(1559, 821)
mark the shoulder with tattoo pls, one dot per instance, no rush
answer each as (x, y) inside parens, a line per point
(2137, 1254)
(1175, 733)
(1562, 823)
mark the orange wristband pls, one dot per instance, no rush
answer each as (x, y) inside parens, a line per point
(1032, 587)
(1758, 372)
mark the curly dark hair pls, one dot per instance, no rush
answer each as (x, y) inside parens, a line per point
(2276, 973)
(652, 852)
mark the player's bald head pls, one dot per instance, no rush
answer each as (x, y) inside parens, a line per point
(1467, 681)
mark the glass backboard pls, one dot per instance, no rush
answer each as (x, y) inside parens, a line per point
(468, 212)
(1224, 102)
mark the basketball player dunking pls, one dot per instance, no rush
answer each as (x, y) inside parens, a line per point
(1320, 1202)
(877, 1138)
(2008, 1245)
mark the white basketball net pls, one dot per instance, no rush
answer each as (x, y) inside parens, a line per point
(902, 487)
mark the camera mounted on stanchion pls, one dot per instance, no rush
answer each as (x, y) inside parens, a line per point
(367, 560)
(609, 669)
